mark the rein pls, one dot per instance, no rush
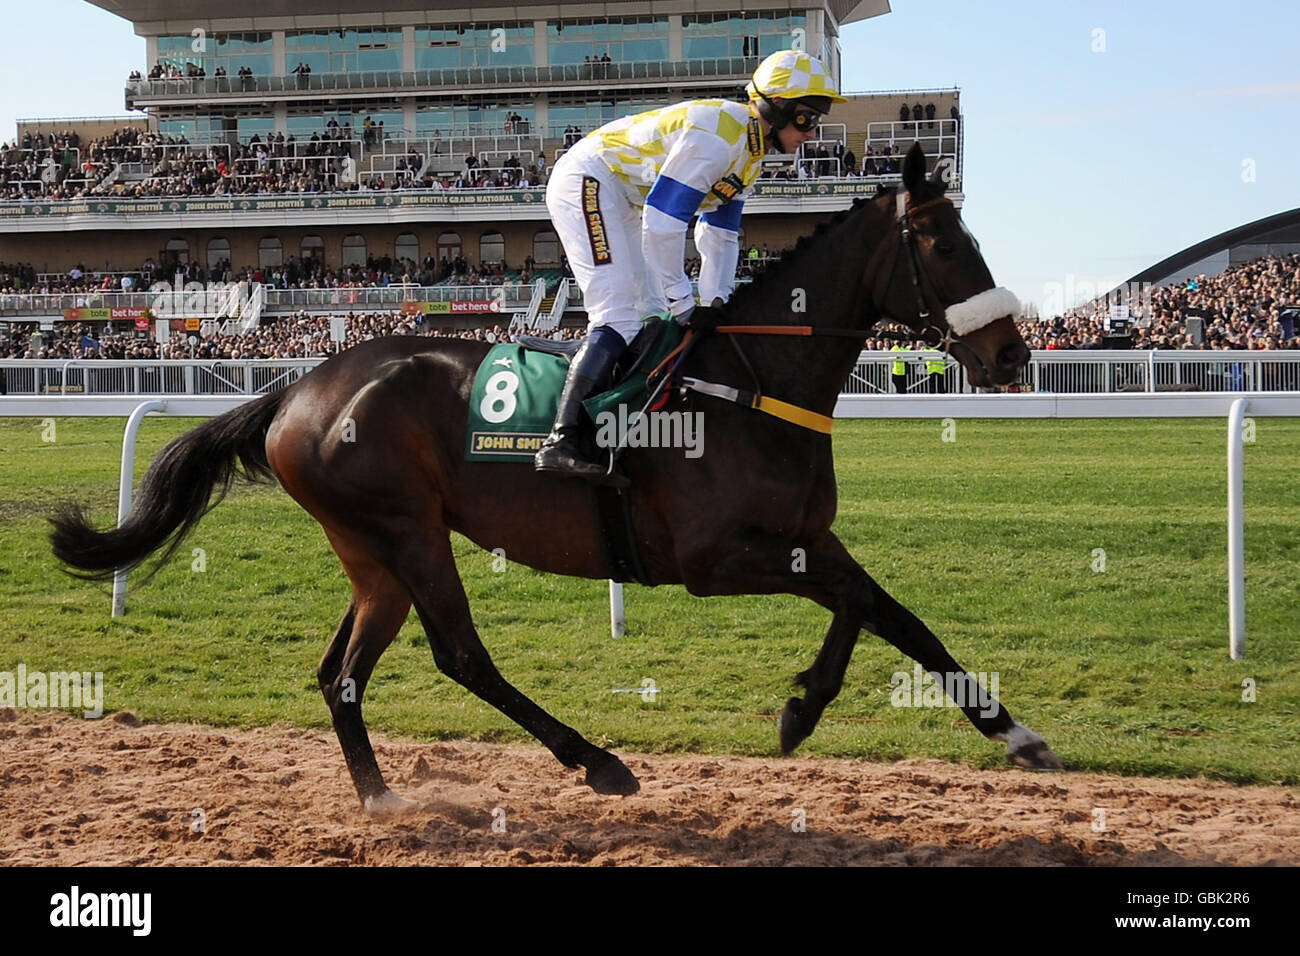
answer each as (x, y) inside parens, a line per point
(803, 417)
(961, 318)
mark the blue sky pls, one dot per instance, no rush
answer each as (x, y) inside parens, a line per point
(1081, 166)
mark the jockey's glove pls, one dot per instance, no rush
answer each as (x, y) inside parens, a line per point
(704, 318)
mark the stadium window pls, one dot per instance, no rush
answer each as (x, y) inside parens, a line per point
(407, 246)
(312, 247)
(546, 247)
(177, 252)
(448, 245)
(491, 247)
(218, 252)
(270, 254)
(354, 249)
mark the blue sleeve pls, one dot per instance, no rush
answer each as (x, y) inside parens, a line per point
(726, 216)
(674, 199)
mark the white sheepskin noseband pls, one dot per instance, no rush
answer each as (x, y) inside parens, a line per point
(979, 310)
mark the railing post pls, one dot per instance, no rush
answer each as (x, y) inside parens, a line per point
(617, 617)
(1151, 370)
(125, 482)
(1236, 534)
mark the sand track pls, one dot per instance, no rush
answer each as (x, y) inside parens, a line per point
(116, 792)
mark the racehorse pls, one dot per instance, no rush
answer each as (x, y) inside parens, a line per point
(371, 444)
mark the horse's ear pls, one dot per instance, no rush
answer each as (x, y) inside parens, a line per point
(914, 168)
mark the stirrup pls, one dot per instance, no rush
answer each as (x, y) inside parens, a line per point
(564, 462)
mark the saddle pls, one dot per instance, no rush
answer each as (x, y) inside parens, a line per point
(632, 360)
(616, 532)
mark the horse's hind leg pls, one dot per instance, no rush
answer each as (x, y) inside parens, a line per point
(379, 606)
(429, 570)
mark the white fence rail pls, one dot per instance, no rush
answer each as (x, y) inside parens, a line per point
(1048, 372)
(162, 377)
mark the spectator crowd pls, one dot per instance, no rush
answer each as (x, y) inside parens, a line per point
(1244, 307)
(1251, 306)
(298, 335)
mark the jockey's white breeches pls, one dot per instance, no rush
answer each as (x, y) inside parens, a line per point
(600, 230)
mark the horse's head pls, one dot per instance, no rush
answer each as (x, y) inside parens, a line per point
(939, 285)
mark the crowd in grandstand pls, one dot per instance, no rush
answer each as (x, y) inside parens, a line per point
(135, 164)
(300, 335)
(1245, 307)
(294, 273)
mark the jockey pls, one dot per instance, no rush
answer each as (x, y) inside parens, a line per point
(622, 198)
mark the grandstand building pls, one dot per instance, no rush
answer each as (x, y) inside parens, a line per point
(373, 140)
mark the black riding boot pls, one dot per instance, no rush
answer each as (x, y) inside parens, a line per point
(560, 453)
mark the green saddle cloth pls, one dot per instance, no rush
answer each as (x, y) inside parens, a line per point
(517, 391)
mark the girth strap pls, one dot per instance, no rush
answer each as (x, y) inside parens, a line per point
(771, 406)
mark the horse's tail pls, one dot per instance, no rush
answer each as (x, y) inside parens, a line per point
(174, 494)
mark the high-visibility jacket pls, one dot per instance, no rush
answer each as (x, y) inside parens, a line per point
(935, 363)
(900, 365)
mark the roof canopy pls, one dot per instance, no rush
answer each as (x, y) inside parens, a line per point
(181, 16)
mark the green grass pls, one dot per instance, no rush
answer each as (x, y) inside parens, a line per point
(990, 540)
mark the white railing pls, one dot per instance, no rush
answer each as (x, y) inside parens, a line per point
(118, 377)
(552, 320)
(535, 301)
(939, 137)
(229, 306)
(1098, 371)
(1049, 372)
(15, 307)
(251, 317)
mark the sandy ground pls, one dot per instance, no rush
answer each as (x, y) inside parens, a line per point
(114, 791)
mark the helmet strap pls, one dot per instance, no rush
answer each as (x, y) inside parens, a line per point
(779, 116)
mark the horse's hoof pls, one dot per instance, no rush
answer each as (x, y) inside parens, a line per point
(791, 726)
(1028, 750)
(387, 804)
(612, 777)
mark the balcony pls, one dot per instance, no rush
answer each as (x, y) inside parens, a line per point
(501, 79)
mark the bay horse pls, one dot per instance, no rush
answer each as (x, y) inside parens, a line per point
(372, 442)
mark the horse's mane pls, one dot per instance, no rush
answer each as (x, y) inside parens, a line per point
(802, 251)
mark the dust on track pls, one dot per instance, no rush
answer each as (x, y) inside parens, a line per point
(118, 792)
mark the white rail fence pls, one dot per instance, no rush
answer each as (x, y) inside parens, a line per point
(1048, 372)
(1133, 405)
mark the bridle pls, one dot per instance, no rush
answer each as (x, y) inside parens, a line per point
(961, 318)
(943, 338)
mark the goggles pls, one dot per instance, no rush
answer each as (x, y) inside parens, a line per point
(805, 120)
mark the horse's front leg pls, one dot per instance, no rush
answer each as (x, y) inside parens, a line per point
(825, 572)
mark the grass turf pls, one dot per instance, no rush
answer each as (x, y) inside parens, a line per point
(992, 540)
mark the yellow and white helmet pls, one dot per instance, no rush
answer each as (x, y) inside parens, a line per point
(792, 74)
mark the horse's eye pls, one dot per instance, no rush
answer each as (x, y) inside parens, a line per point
(944, 247)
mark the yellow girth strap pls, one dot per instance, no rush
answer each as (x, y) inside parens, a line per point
(770, 406)
(793, 413)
